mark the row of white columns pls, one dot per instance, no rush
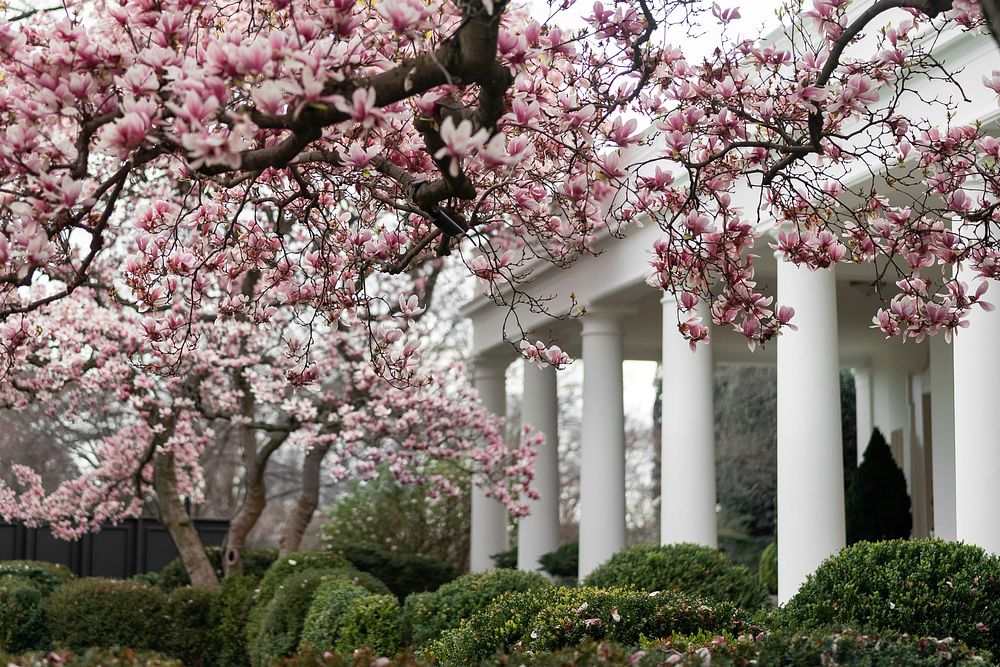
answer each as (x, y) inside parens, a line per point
(810, 465)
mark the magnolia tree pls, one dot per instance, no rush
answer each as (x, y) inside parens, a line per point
(91, 354)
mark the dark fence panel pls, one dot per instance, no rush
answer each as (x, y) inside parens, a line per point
(131, 547)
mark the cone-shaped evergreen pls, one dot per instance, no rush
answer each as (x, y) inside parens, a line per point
(877, 505)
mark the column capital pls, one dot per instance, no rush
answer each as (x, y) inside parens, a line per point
(605, 320)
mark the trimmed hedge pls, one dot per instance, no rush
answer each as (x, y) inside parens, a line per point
(401, 573)
(767, 570)
(554, 618)
(373, 622)
(326, 614)
(230, 615)
(685, 568)
(276, 628)
(187, 632)
(47, 576)
(427, 615)
(22, 616)
(96, 612)
(255, 563)
(300, 561)
(919, 587)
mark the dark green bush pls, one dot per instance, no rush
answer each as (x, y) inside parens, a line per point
(767, 571)
(96, 612)
(686, 568)
(286, 566)
(401, 573)
(96, 657)
(506, 560)
(187, 632)
(321, 629)
(275, 628)
(47, 576)
(918, 587)
(876, 505)
(554, 618)
(372, 621)
(563, 562)
(230, 615)
(22, 617)
(427, 615)
(255, 562)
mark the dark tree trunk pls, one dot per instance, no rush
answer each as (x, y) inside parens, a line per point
(295, 528)
(178, 522)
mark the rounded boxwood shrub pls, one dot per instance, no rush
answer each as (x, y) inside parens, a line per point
(230, 613)
(47, 576)
(106, 612)
(767, 570)
(326, 614)
(286, 566)
(401, 573)
(372, 622)
(255, 563)
(187, 629)
(851, 649)
(22, 618)
(685, 568)
(276, 627)
(558, 617)
(919, 587)
(563, 562)
(427, 615)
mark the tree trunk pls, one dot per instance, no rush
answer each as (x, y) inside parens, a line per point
(295, 528)
(179, 525)
(991, 10)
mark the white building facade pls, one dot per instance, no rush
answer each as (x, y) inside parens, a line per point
(933, 400)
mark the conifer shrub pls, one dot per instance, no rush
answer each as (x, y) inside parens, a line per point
(372, 622)
(876, 505)
(767, 570)
(685, 568)
(94, 612)
(46, 576)
(401, 573)
(557, 617)
(918, 587)
(22, 616)
(427, 615)
(563, 562)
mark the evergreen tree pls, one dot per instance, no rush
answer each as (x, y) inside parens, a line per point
(877, 505)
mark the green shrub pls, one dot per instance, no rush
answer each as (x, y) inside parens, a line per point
(427, 615)
(850, 649)
(559, 617)
(563, 562)
(876, 505)
(326, 614)
(47, 576)
(401, 573)
(918, 587)
(230, 614)
(255, 562)
(300, 561)
(96, 612)
(686, 568)
(95, 657)
(187, 633)
(22, 618)
(767, 571)
(505, 560)
(372, 621)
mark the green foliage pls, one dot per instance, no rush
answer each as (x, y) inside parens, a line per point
(299, 561)
(186, 632)
(255, 562)
(276, 626)
(404, 519)
(686, 568)
(230, 614)
(556, 617)
(851, 649)
(427, 615)
(506, 560)
(22, 618)
(563, 562)
(321, 629)
(401, 573)
(372, 621)
(767, 571)
(918, 587)
(47, 576)
(96, 612)
(876, 504)
(95, 657)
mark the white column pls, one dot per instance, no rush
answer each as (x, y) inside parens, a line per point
(810, 460)
(943, 436)
(489, 518)
(538, 533)
(687, 496)
(602, 446)
(977, 425)
(863, 408)
(890, 402)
